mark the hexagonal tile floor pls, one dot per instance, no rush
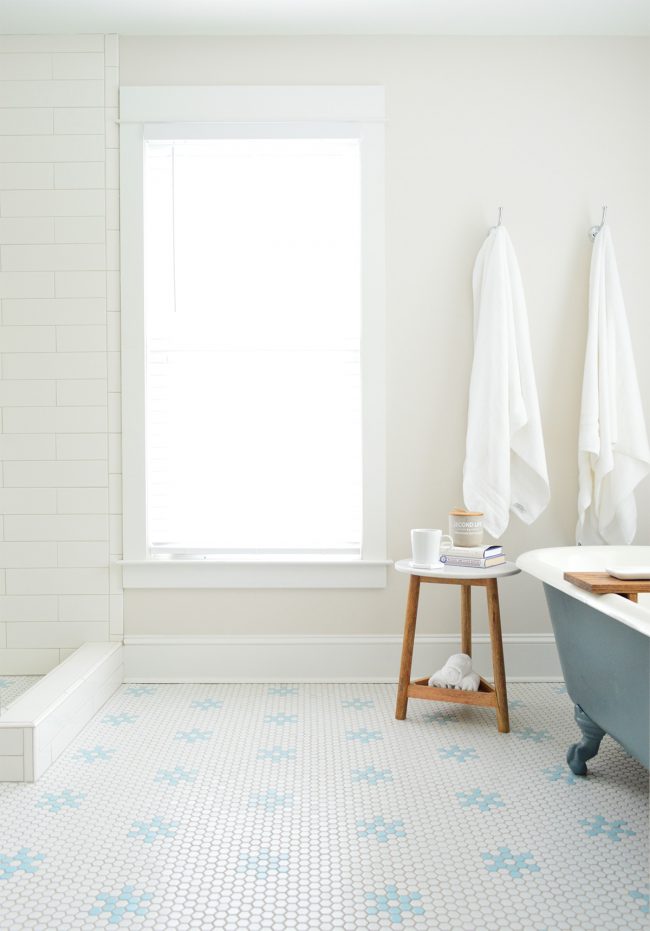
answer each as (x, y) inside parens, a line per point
(13, 686)
(275, 807)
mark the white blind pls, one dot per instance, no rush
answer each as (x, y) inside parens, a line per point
(253, 308)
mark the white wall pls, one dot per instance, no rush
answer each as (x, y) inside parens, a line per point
(548, 128)
(59, 393)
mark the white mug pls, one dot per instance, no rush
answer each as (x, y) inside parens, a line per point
(425, 547)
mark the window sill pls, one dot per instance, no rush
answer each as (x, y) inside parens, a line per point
(254, 573)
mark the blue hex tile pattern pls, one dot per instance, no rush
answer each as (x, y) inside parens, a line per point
(263, 864)
(126, 903)
(396, 905)
(614, 830)
(528, 733)
(440, 717)
(562, 773)
(364, 736)
(175, 776)
(138, 691)
(280, 718)
(460, 754)
(116, 720)
(150, 831)
(267, 828)
(193, 736)
(516, 864)
(270, 800)
(643, 898)
(21, 861)
(359, 704)
(58, 801)
(484, 801)
(283, 690)
(381, 829)
(372, 775)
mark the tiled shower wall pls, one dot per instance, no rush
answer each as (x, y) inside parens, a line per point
(59, 344)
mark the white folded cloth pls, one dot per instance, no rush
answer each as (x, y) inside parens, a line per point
(456, 674)
(613, 451)
(505, 463)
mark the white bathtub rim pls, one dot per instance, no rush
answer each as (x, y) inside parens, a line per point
(537, 564)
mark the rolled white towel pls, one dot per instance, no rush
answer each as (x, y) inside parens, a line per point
(456, 674)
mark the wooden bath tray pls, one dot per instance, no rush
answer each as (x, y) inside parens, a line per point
(602, 583)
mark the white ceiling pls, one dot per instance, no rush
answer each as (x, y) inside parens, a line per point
(327, 17)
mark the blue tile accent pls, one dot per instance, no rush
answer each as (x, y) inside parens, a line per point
(460, 754)
(381, 829)
(283, 690)
(4, 683)
(614, 830)
(484, 801)
(193, 736)
(270, 800)
(275, 754)
(280, 718)
(22, 861)
(560, 689)
(643, 898)
(358, 703)
(372, 775)
(440, 717)
(263, 864)
(149, 831)
(394, 904)
(175, 776)
(139, 690)
(94, 754)
(562, 773)
(516, 864)
(364, 736)
(116, 720)
(57, 802)
(127, 902)
(206, 704)
(514, 703)
(529, 734)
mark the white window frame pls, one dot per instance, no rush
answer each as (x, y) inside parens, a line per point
(201, 112)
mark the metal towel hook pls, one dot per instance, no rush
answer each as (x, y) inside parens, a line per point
(498, 221)
(595, 230)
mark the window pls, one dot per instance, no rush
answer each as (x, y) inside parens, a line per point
(252, 338)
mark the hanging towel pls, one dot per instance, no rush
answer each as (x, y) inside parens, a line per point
(613, 451)
(505, 464)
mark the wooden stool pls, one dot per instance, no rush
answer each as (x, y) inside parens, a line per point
(490, 696)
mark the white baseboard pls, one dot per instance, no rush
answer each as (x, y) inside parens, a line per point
(323, 658)
(42, 722)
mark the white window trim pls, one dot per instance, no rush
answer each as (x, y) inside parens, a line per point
(140, 107)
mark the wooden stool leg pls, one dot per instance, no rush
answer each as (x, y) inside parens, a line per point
(407, 647)
(498, 667)
(466, 619)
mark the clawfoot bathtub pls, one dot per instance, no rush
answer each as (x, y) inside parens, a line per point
(604, 647)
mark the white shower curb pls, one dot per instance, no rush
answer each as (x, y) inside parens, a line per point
(42, 722)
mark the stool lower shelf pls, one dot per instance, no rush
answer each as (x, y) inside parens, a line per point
(485, 696)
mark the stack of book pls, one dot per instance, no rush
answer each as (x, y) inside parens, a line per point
(473, 557)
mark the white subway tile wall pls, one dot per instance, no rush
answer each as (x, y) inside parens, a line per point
(60, 449)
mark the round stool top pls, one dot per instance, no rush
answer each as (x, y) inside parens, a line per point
(457, 572)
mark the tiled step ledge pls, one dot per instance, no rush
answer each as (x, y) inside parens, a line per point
(39, 725)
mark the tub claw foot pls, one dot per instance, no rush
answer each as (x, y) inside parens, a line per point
(588, 747)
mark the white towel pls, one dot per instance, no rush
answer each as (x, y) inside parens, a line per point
(457, 674)
(505, 464)
(613, 452)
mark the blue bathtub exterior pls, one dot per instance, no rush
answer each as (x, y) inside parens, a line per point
(606, 668)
